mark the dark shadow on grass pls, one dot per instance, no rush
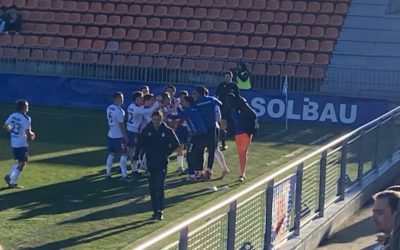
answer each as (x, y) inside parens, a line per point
(84, 159)
(92, 190)
(137, 206)
(93, 236)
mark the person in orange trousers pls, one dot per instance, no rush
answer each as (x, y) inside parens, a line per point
(243, 124)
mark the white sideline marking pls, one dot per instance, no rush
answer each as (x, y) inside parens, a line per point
(300, 150)
(291, 138)
(45, 156)
(76, 201)
(65, 114)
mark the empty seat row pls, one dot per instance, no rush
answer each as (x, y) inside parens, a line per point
(304, 58)
(289, 70)
(246, 36)
(149, 8)
(220, 43)
(180, 23)
(156, 62)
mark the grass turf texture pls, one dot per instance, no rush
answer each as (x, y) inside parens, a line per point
(67, 203)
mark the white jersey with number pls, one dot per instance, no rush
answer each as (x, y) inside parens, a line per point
(115, 116)
(136, 115)
(19, 123)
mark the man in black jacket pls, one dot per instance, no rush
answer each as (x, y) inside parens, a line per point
(157, 141)
(223, 89)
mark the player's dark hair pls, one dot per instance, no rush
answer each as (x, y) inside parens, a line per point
(206, 91)
(143, 87)
(136, 95)
(148, 97)
(201, 90)
(157, 113)
(165, 95)
(183, 93)
(229, 73)
(117, 94)
(21, 104)
(170, 86)
(189, 99)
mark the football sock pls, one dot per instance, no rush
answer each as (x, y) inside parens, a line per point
(223, 137)
(180, 161)
(143, 163)
(15, 176)
(109, 163)
(221, 159)
(122, 163)
(13, 167)
(135, 166)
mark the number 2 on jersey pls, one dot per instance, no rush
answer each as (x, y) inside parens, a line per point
(130, 118)
(15, 127)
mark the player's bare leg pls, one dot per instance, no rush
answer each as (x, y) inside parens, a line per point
(221, 160)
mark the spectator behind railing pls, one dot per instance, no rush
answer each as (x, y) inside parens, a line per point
(13, 20)
(2, 19)
(384, 213)
(395, 236)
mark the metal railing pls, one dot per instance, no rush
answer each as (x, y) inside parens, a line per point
(281, 208)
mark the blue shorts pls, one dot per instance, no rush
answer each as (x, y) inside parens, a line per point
(117, 145)
(132, 139)
(182, 133)
(21, 154)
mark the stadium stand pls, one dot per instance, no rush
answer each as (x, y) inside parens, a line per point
(300, 32)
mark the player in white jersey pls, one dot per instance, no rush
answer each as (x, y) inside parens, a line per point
(116, 135)
(18, 124)
(136, 113)
(148, 101)
(180, 128)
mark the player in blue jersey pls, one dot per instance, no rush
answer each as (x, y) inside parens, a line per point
(198, 136)
(117, 136)
(207, 106)
(18, 124)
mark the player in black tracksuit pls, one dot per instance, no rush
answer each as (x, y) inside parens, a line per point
(157, 141)
(223, 89)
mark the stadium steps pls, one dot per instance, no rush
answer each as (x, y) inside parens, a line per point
(289, 31)
(368, 41)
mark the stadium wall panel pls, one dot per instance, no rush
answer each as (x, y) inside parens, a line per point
(269, 105)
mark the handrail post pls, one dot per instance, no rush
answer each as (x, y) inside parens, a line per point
(183, 238)
(343, 163)
(375, 159)
(360, 167)
(391, 138)
(297, 205)
(268, 214)
(322, 183)
(231, 225)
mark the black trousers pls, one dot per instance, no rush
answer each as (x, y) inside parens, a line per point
(156, 185)
(212, 141)
(195, 152)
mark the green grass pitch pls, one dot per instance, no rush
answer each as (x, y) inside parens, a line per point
(67, 204)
